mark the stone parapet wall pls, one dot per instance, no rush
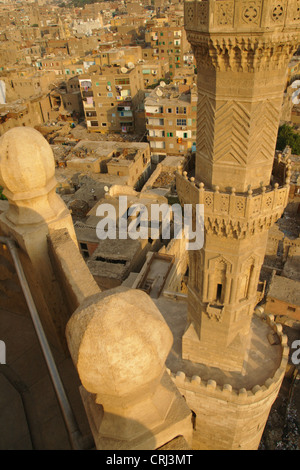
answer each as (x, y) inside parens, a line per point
(240, 213)
(229, 418)
(75, 279)
(226, 391)
(240, 15)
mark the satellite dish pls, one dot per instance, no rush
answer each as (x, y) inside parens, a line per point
(159, 92)
(124, 70)
(296, 84)
(162, 84)
(131, 65)
(295, 97)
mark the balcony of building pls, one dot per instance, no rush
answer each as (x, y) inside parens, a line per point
(88, 103)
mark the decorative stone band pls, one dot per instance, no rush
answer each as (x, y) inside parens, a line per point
(242, 53)
(241, 15)
(233, 213)
(227, 392)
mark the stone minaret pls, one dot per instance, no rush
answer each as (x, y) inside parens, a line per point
(242, 50)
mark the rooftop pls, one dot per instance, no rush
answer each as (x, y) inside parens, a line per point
(285, 289)
(105, 148)
(167, 95)
(261, 363)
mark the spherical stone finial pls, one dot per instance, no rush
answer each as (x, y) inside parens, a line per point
(26, 163)
(119, 342)
(27, 173)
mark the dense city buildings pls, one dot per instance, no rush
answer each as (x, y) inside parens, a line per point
(120, 123)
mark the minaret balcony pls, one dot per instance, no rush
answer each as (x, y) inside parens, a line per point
(235, 214)
(238, 16)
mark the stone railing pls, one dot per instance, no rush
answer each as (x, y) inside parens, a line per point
(227, 392)
(232, 204)
(241, 211)
(239, 16)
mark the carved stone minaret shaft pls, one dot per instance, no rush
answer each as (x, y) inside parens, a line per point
(242, 50)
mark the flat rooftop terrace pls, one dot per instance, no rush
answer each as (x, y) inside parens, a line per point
(262, 362)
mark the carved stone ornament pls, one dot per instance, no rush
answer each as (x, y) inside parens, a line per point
(202, 13)
(251, 12)
(224, 13)
(214, 312)
(277, 12)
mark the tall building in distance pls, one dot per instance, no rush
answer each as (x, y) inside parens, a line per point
(168, 42)
(112, 97)
(171, 120)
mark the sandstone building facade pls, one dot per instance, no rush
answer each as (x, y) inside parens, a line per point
(171, 120)
(111, 97)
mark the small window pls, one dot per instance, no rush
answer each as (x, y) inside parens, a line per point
(219, 292)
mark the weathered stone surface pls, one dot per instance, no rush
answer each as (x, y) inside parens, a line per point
(242, 51)
(119, 342)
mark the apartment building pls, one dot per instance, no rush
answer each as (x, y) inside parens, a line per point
(71, 96)
(58, 65)
(168, 43)
(153, 71)
(112, 98)
(119, 55)
(29, 112)
(81, 46)
(171, 120)
(24, 83)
